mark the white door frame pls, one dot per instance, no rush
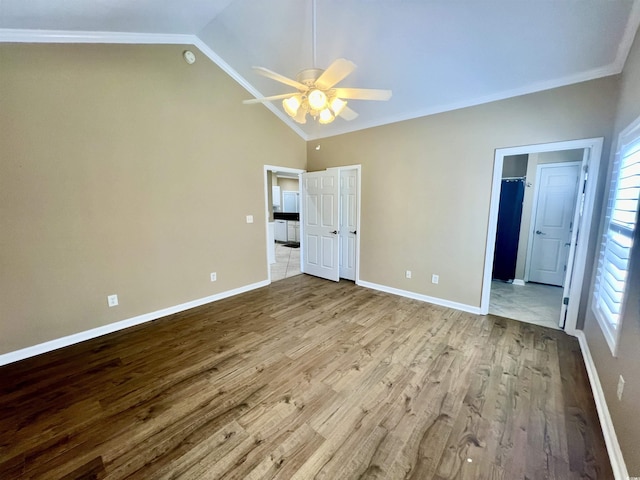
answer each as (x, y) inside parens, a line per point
(273, 168)
(358, 169)
(534, 211)
(580, 258)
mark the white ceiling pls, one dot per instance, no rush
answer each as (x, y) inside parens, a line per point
(434, 55)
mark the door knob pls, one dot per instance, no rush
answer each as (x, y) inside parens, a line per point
(354, 232)
(538, 232)
(334, 232)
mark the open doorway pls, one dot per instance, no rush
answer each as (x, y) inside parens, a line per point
(536, 253)
(282, 200)
(538, 197)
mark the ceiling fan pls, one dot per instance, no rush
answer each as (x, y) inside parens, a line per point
(315, 93)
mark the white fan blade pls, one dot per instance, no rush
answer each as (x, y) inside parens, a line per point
(269, 99)
(265, 72)
(348, 114)
(363, 94)
(336, 72)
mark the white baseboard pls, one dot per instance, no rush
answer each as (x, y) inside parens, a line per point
(517, 281)
(418, 296)
(610, 439)
(114, 327)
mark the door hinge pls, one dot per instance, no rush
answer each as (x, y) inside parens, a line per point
(565, 301)
(565, 268)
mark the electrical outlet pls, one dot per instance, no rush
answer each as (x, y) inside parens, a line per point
(407, 274)
(435, 279)
(249, 218)
(214, 276)
(620, 387)
(112, 300)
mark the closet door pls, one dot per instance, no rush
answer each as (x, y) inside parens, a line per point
(348, 223)
(321, 246)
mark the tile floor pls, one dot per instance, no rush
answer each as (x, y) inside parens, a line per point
(287, 263)
(532, 303)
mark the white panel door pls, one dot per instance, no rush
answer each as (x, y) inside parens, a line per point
(321, 247)
(553, 222)
(348, 223)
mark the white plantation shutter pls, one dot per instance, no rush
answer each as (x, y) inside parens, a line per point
(617, 239)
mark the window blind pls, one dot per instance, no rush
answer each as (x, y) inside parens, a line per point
(617, 240)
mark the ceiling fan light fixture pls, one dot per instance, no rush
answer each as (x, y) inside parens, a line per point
(301, 116)
(317, 100)
(337, 105)
(317, 94)
(326, 116)
(292, 105)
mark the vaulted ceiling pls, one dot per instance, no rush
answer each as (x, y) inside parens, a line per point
(435, 55)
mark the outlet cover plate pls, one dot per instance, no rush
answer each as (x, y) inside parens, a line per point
(407, 274)
(214, 276)
(435, 279)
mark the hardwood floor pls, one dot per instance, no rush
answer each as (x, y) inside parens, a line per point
(306, 379)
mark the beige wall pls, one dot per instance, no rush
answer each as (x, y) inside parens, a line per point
(288, 184)
(426, 183)
(113, 161)
(536, 159)
(624, 413)
(114, 166)
(515, 165)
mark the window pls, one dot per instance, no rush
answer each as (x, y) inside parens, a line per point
(617, 239)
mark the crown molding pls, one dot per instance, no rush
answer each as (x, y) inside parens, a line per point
(66, 36)
(628, 36)
(9, 35)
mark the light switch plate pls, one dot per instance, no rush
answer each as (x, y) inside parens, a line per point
(249, 218)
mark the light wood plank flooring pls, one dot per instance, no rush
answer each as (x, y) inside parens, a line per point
(306, 379)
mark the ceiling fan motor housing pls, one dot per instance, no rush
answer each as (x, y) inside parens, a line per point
(309, 76)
